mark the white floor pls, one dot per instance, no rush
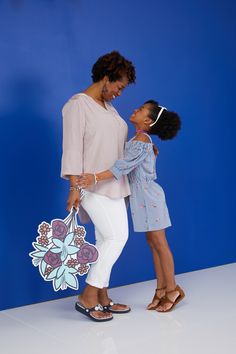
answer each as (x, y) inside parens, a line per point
(203, 323)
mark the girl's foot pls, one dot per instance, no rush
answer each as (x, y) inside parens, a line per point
(171, 299)
(159, 294)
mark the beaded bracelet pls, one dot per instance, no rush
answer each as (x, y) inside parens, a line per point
(75, 188)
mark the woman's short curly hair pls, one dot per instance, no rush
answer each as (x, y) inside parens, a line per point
(115, 66)
(167, 125)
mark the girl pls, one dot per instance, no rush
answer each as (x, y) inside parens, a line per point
(147, 201)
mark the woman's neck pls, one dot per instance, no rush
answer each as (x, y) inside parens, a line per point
(95, 92)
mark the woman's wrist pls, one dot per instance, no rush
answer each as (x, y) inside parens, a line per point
(73, 181)
(75, 188)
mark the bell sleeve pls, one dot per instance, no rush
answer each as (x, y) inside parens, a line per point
(134, 156)
(73, 136)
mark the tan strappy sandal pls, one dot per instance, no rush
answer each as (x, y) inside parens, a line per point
(155, 297)
(166, 300)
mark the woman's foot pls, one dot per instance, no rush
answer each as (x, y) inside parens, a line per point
(159, 294)
(91, 312)
(104, 300)
(99, 314)
(116, 308)
(171, 299)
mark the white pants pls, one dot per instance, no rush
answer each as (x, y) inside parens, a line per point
(109, 217)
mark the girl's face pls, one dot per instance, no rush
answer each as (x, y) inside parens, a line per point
(141, 115)
(113, 89)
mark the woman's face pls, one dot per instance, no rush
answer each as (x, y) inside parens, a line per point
(114, 89)
(141, 114)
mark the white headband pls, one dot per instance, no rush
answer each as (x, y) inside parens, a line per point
(158, 116)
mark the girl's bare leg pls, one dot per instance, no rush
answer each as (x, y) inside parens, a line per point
(159, 273)
(157, 262)
(160, 244)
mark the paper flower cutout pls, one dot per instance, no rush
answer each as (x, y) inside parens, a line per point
(87, 254)
(61, 252)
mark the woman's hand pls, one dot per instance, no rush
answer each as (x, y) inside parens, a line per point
(85, 180)
(73, 200)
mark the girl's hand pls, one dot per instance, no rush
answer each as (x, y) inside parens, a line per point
(73, 200)
(155, 149)
(85, 180)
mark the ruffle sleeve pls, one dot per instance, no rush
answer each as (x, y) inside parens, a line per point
(135, 153)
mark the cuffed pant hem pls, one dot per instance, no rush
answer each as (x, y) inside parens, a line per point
(96, 284)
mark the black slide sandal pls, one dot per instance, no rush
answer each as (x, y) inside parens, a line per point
(108, 308)
(87, 312)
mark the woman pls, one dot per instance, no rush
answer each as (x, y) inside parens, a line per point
(93, 139)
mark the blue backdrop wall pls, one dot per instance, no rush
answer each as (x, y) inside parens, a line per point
(184, 53)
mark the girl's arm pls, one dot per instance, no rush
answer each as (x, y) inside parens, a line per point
(138, 150)
(88, 179)
(133, 157)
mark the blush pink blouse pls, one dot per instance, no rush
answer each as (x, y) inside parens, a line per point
(93, 139)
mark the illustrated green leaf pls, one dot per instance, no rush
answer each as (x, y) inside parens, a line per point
(72, 271)
(53, 274)
(57, 242)
(64, 254)
(61, 271)
(43, 267)
(58, 282)
(36, 261)
(40, 247)
(55, 250)
(38, 254)
(71, 281)
(72, 249)
(69, 239)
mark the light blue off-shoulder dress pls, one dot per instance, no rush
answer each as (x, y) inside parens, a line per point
(147, 201)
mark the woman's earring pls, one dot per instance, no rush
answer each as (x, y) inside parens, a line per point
(104, 89)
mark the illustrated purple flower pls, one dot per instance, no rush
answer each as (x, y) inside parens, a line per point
(59, 229)
(53, 259)
(87, 254)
